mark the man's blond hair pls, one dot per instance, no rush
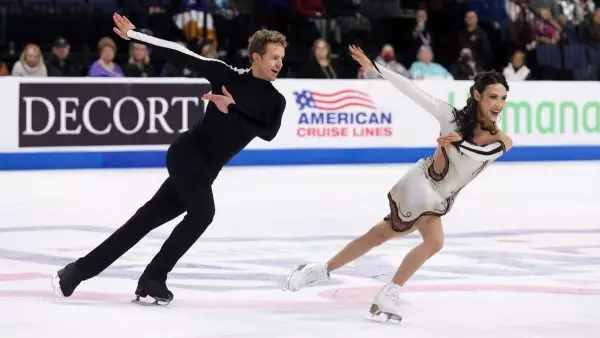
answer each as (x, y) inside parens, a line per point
(258, 42)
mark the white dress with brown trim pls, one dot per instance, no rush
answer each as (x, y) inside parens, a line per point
(421, 191)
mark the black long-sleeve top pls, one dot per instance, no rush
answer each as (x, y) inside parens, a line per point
(257, 111)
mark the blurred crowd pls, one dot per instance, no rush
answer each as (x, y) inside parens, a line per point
(442, 39)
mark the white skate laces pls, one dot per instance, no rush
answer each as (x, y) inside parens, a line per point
(389, 296)
(391, 293)
(305, 274)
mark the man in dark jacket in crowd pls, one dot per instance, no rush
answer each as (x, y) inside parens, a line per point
(60, 62)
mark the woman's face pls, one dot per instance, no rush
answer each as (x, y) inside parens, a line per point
(425, 55)
(492, 101)
(321, 51)
(139, 52)
(31, 57)
(107, 54)
(518, 60)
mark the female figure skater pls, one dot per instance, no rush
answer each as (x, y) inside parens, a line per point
(470, 141)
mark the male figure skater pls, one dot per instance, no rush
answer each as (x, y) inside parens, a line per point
(243, 105)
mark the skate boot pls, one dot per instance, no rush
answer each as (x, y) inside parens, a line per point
(155, 289)
(386, 305)
(65, 280)
(305, 274)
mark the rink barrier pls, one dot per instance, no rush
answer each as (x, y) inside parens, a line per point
(129, 123)
(156, 159)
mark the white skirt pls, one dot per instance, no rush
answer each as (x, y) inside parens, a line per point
(414, 196)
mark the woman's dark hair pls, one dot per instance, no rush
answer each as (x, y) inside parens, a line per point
(467, 118)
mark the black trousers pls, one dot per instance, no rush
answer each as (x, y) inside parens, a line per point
(188, 188)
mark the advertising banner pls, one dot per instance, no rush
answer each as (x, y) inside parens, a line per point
(373, 113)
(129, 122)
(93, 114)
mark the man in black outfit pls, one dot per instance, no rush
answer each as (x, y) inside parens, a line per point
(243, 105)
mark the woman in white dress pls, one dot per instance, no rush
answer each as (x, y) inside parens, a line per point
(469, 142)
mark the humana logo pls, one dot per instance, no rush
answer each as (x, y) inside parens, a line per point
(546, 117)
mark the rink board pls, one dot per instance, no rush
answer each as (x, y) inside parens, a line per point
(156, 159)
(122, 123)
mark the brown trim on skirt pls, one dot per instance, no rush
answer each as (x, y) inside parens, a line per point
(397, 224)
(431, 171)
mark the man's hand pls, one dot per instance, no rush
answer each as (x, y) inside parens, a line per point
(122, 25)
(221, 101)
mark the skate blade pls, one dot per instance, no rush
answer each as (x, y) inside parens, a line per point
(379, 316)
(55, 280)
(286, 284)
(150, 302)
(384, 318)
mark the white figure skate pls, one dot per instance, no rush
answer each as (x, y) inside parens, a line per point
(305, 274)
(386, 305)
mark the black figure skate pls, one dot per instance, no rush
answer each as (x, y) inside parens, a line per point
(65, 281)
(154, 289)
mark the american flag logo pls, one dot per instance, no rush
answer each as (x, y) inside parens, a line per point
(332, 101)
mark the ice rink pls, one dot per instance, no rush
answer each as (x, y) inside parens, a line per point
(521, 256)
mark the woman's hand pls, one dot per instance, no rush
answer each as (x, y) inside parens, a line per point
(221, 101)
(359, 56)
(122, 25)
(446, 140)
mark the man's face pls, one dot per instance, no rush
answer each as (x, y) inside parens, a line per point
(61, 52)
(269, 65)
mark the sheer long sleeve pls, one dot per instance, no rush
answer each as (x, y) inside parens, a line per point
(439, 109)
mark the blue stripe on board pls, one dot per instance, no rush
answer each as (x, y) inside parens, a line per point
(153, 159)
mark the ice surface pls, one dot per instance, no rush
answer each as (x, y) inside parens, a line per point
(521, 256)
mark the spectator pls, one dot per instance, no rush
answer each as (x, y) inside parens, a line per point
(474, 38)
(421, 34)
(520, 29)
(492, 12)
(546, 30)
(425, 68)
(320, 65)
(577, 11)
(194, 21)
(568, 30)
(387, 57)
(139, 62)
(310, 8)
(60, 63)
(593, 30)
(551, 5)
(465, 68)
(31, 62)
(224, 14)
(315, 11)
(355, 27)
(312, 18)
(3, 69)
(516, 70)
(584, 12)
(105, 65)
